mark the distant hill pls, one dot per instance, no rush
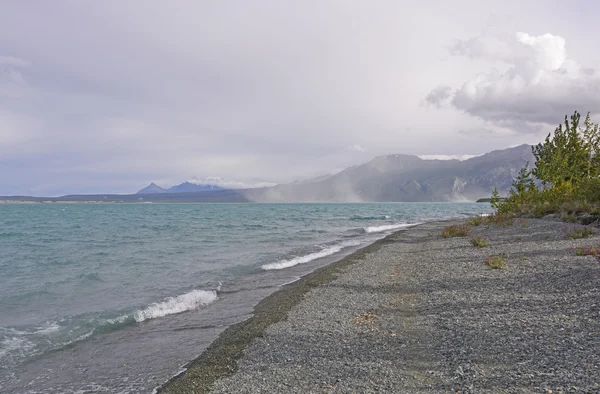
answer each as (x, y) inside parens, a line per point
(186, 187)
(407, 178)
(152, 188)
(392, 178)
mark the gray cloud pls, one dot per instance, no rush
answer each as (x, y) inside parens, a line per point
(538, 84)
(438, 96)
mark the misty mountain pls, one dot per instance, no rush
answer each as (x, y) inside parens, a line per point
(407, 178)
(186, 187)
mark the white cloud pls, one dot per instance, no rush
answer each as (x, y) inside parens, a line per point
(534, 83)
(357, 148)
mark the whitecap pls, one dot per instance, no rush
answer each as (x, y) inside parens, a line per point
(387, 227)
(48, 328)
(327, 251)
(171, 305)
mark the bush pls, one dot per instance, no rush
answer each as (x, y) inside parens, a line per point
(456, 230)
(479, 242)
(588, 251)
(475, 221)
(567, 167)
(496, 262)
(581, 232)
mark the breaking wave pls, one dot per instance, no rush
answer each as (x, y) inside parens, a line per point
(387, 227)
(326, 251)
(171, 305)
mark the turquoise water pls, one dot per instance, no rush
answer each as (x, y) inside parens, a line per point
(150, 285)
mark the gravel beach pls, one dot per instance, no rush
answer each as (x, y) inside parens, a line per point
(418, 313)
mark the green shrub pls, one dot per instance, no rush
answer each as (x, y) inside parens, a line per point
(479, 242)
(456, 230)
(587, 251)
(581, 232)
(496, 262)
(568, 217)
(567, 166)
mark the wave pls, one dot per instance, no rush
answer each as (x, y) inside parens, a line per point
(327, 251)
(387, 227)
(171, 305)
(358, 217)
(16, 345)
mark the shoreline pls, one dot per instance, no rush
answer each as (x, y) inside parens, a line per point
(414, 312)
(219, 360)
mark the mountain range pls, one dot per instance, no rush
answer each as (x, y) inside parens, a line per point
(185, 187)
(396, 178)
(391, 178)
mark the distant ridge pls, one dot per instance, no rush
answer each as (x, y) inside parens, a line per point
(189, 187)
(185, 187)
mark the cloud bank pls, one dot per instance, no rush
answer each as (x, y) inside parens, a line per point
(532, 82)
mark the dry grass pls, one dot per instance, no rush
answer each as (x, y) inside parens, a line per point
(479, 242)
(496, 262)
(500, 219)
(475, 221)
(456, 230)
(366, 320)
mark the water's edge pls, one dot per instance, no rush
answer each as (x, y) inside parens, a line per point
(220, 358)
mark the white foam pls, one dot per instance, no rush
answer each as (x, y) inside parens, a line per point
(387, 227)
(328, 251)
(83, 336)
(12, 347)
(118, 320)
(172, 305)
(48, 328)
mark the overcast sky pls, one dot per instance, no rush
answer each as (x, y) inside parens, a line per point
(108, 96)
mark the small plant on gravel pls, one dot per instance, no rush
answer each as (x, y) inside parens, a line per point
(456, 230)
(500, 219)
(479, 242)
(475, 221)
(524, 223)
(580, 232)
(496, 262)
(588, 251)
(523, 258)
(367, 319)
